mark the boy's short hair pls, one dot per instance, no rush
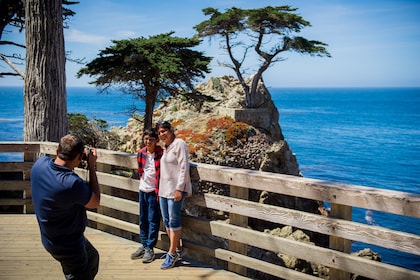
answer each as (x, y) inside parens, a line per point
(152, 132)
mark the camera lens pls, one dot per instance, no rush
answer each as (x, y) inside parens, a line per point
(86, 153)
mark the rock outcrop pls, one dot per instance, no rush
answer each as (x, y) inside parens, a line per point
(220, 130)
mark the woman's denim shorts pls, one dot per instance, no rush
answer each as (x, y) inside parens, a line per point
(171, 212)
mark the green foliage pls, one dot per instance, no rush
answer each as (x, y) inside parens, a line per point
(93, 132)
(217, 85)
(78, 124)
(270, 31)
(12, 12)
(221, 23)
(149, 68)
(278, 23)
(161, 61)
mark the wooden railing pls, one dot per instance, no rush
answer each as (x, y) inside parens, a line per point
(118, 214)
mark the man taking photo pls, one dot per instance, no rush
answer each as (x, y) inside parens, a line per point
(60, 199)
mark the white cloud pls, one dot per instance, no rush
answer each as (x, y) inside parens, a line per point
(76, 36)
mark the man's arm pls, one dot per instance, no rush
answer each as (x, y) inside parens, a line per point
(95, 199)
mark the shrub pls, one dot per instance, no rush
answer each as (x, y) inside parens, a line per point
(93, 132)
(220, 123)
(238, 131)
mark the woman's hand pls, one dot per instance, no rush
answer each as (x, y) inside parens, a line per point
(177, 195)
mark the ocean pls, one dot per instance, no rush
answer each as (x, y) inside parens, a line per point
(360, 136)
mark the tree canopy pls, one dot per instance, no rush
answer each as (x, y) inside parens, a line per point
(270, 31)
(148, 68)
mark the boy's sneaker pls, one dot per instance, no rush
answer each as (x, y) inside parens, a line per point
(170, 261)
(138, 254)
(149, 255)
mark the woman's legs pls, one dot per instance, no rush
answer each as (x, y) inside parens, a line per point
(175, 238)
(171, 215)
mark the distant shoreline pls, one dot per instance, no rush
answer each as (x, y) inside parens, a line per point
(269, 87)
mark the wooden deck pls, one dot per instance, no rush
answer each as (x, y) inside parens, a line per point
(23, 257)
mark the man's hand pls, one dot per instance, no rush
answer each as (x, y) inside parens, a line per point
(91, 158)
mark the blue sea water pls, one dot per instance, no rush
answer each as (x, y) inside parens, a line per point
(360, 136)
(113, 107)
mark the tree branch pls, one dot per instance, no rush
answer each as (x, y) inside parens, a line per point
(17, 70)
(12, 43)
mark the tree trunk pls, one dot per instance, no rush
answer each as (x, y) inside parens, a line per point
(150, 101)
(45, 104)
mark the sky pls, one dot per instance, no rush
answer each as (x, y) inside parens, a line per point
(373, 43)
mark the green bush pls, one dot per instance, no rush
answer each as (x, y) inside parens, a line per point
(93, 132)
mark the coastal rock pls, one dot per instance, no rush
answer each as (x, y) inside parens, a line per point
(220, 99)
(281, 259)
(217, 101)
(366, 253)
(220, 130)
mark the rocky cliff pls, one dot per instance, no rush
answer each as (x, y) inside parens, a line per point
(220, 130)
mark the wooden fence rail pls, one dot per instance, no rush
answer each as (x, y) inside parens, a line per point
(118, 214)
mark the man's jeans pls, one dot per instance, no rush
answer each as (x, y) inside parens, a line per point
(149, 219)
(83, 266)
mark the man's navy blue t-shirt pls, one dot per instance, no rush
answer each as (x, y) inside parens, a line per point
(59, 196)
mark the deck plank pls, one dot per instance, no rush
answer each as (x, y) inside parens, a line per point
(23, 257)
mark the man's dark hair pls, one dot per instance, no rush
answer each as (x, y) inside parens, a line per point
(70, 147)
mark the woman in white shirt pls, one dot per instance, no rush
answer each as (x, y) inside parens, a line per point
(174, 186)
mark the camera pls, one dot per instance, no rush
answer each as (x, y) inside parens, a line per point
(86, 153)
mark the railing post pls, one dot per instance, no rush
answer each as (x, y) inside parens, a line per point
(242, 221)
(26, 194)
(338, 243)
